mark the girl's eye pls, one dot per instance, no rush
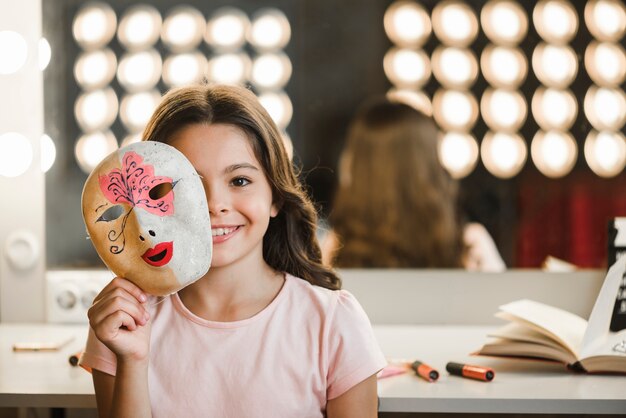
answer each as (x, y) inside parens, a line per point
(240, 182)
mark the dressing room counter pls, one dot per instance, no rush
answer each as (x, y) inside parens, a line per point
(46, 379)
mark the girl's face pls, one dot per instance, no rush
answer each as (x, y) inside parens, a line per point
(238, 193)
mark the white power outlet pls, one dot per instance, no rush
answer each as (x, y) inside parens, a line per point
(69, 293)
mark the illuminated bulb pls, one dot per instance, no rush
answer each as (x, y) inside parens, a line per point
(503, 67)
(95, 69)
(555, 66)
(16, 154)
(91, 149)
(554, 153)
(139, 71)
(13, 50)
(503, 154)
(455, 23)
(504, 22)
(407, 24)
(226, 29)
(556, 21)
(96, 110)
(455, 67)
(229, 68)
(184, 69)
(416, 99)
(140, 27)
(455, 110)
(271, 71)
(44, 54)
(183, 29)
(136, 109)
(503, 110)
(270, 30)
(606, 63)
(606, 19)
(605, 153)
(605, 108)
(94, 25)
(278, 106)
(48, 152)
(554, 109)
(406, 68)
(458, 153)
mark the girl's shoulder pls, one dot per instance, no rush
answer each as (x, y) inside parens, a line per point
(324, 300)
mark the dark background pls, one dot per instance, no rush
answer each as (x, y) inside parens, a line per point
(336, 49)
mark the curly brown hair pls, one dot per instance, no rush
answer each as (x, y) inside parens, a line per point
(290, 243)
(395, 205)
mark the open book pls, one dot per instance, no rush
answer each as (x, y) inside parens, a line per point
(541, 331)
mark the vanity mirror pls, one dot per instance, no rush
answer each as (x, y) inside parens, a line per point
(334, 59)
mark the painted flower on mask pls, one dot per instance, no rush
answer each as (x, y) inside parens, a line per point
(136, 184)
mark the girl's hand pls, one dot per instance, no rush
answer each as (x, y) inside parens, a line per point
(120, 320)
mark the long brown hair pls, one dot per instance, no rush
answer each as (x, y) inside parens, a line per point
(290, 243)
(396, 204)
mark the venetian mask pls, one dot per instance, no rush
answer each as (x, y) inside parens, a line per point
(146, 213)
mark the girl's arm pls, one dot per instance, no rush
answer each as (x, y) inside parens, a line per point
(361, 401)
(123, 395)
(120, 321)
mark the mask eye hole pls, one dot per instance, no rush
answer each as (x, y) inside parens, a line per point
(111, 214)
(160, 190)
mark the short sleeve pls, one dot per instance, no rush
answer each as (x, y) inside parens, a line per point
(98, 356)
(352, 350)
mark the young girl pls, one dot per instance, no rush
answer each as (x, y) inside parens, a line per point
(266, 332)
(396, 206)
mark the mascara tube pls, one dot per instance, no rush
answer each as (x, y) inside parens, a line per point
(469, 371)
(425, 371)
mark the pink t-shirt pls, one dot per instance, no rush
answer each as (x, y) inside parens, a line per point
(307, 346)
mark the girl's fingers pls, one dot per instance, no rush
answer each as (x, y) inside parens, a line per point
(117, 303)
(109, 328)
(122, 283)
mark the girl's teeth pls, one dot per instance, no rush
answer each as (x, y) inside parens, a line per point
(221, 231)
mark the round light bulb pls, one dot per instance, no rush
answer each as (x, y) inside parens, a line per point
(504, 22)
(406, 68)
(458, 153)
(554, 153)
(13, 50)
(16, 154)
(503, 154)
(407, 24)
(455, 67)
(605, 153)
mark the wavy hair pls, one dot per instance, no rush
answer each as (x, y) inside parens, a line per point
(290, 243)
(395, 205)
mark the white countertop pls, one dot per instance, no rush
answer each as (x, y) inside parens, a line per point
(46, 379)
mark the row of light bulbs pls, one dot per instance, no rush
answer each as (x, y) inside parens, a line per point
(182, 32)
(16, 152)
(505, 67)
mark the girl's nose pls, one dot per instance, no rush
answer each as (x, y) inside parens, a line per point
(218, 201)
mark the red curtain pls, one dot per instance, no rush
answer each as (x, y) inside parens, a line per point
(567, 218)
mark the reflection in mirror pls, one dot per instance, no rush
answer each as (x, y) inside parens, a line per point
(331, 58)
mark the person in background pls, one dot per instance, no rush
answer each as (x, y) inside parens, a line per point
(267, 332)
(396, 205)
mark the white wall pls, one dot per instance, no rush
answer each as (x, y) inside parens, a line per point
(22, 203)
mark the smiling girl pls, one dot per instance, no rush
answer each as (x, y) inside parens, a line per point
(267, 332)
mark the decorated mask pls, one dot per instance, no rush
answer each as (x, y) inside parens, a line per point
(146, 213)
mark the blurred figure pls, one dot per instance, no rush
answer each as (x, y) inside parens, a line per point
(396, 206)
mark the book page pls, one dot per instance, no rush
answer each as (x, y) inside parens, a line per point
(565, 327)
(597, 337)
(519, 332)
